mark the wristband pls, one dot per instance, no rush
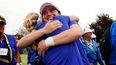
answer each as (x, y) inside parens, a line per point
(49, 42)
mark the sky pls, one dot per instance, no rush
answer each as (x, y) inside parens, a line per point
(86, 10)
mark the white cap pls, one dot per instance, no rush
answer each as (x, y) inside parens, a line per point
(87, 29)
(93, 36)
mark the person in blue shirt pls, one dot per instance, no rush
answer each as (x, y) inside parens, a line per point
(72, 49)
(112, 60)
(91, 47)
(8, 50)
(29, 24)
(59, 47)
(17, 37)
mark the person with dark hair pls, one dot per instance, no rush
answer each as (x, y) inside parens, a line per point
(59, 46)
(8, 50)
(17, 37)
(50, 12)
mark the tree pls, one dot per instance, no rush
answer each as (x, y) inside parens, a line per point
(103, 22)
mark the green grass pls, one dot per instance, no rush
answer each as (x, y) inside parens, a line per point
(24, 59)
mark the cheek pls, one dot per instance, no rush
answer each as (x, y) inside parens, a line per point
(90, 34)
(1, 29)
(55, 14)
(44, 17)
(48, 17)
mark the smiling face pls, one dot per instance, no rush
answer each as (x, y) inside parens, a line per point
(49, 13)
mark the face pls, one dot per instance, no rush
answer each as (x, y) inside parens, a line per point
(88, 34)
(49, 13)
(1, 29)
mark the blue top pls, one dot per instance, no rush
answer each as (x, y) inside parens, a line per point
(113, 43)
(12, 43)
(66, 54)
(94, 55)
(31, 56)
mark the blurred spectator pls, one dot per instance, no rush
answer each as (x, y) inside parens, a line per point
(91, 49)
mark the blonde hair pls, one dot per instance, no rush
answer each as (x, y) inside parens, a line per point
(28, 23)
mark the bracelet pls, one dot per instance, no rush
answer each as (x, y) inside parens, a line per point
(49, 42)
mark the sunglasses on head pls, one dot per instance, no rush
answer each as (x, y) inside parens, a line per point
(2, 23)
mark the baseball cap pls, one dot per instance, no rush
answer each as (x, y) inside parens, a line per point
(47, 4)
(86, 30)
(2, 22)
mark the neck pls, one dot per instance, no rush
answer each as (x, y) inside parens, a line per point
(1, 36)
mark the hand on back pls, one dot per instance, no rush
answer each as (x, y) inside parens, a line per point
(52, 26)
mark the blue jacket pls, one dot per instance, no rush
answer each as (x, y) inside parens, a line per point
(12, 43)
(32, 54)
(93, 56)
(113, 44)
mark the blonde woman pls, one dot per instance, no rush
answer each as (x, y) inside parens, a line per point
(28, 26)
(29, 23)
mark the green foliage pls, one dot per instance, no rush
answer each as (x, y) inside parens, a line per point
(103, 21)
